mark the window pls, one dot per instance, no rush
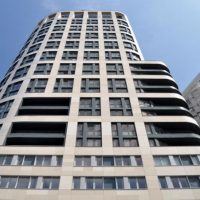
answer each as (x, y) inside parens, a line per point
(37, 85)
(61, 21)
(5, 108)
(91, 35)
(29, 182)
(72, 45)
(54, 36)
(12, 89)
(77, 21)
(43, 69)
(128, 45)
(90, 85)
(108, 28)
(70, 55)
(52, 45)
(107, 21)
(92, 28)
(92, 21)
(109, 183)
(34, 48)
(43, 31)
(120, 22)
(90, 107)
(65, 14)
(28, 59)
(111, 45)
(117, 85)
(78, 15)
(124, 135)
(89, 134)
(177, 160)
(90, 68)
(132, 56)
(67, 68)
(91, 44)
(4, 81)
(179, 182)
(48, 55)
(112, 55)
(63, 85)
(74, 35)
(21, 72)
(114, 69)
(39, 39)
(127, 37)
(92, 15)
(91, 55)
(120, 107)
(124, 29)
(75, 28)
(106, 15)
(109, 36)
(108, 161)
(59, 28)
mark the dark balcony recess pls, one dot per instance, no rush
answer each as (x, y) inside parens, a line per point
(173, 134)
(44, 106)
(37, 134)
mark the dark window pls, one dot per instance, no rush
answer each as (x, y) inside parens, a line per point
(92, 28)
(91, 35)
(124, 135)
(90, 85)
(120, 107)
(132, 56)
(90, 106)
(117, 85)
(111, 45)
(92, 21)
(75, 28)
(72, 45)
(74, 35)
(108, 28)
(28, 59)
(77, 21)
(114, 69)
(91, 55)
(129, 45)
(37, 85)
(67, 68)
(52, 45)
(43, 69)
(63, 85)
(127, 37)
(34, 48)
(48, 55)
(112, 55)
(21, 72)
(59, 28)
(91, 44)
(12, 89)
(109, 36)
(55, 36)
(89, 134)
(5, 108)
(92, 15)
(90, 68)
(70, 55)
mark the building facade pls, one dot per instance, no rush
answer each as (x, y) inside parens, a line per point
(192, 96)
(83, 115)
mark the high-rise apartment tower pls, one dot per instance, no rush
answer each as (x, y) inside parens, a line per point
(192, 96)
(84, 116)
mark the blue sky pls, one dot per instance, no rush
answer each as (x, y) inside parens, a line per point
(166, 30)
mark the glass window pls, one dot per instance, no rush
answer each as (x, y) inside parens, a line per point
(23, 182)
(109, 183)
(108, 161)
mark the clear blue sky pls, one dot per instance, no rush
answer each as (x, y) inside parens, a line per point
(167, 30)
